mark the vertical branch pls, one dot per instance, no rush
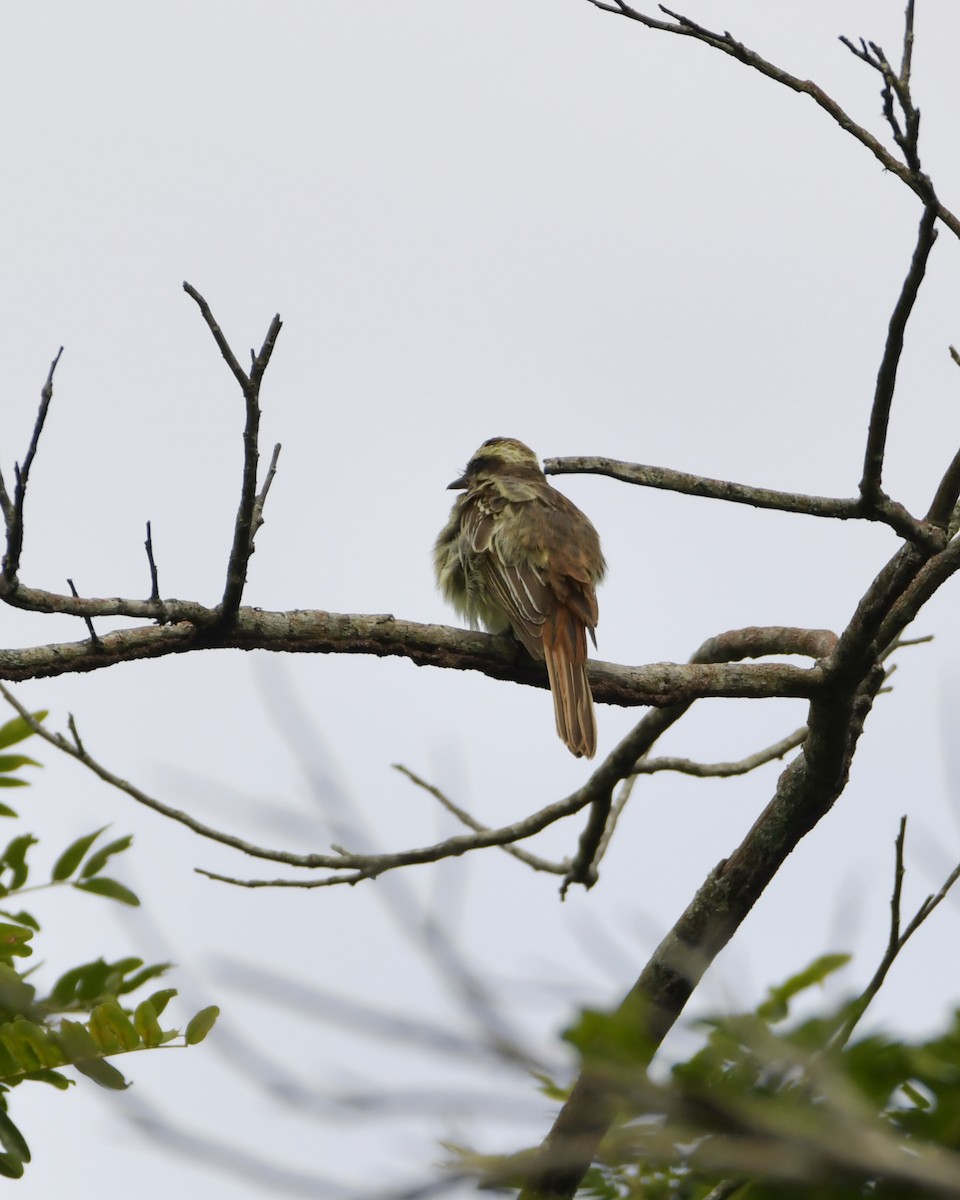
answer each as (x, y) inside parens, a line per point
(13, 511)
(152, 563)
(870, 483)
(248, 510)
(906, 62)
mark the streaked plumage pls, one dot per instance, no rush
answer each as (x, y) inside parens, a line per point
(517, 554)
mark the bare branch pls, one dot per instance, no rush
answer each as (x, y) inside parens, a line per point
(724, 770)
(896, 940)
(247, 512)
(882, 508)
(87, 621)
(358, 866)
(524, 856)
(945, 501)
(154, 578)
(218, 336)
(666, 479)
(906, 61)
(806, 790)
(262, 496)
(604, 811)
(870, 484)
(13, 512)
(622, 763)
(727, 44)
(187, 627)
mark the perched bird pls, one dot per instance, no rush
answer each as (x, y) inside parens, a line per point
(516, 554)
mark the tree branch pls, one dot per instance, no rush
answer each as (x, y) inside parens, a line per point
(806, 791)
(187, 627)
(13, 511)
(724, 770)
(870, 484)
(666, 479)
(524, 856)
(154, 577)
(897, 939)
(727, 44)
(249, 512)
(726, 648)
(881, 509)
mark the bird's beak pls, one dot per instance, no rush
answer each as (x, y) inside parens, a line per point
(458, 484)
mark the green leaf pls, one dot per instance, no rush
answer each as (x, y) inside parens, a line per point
(11, 1167)
(112, 1029)
(141, 977)
(16, 995)
(71, 858)
(41, 1044)
(200, 1025)
(10, 1065)
(13, 762)
(17, 729)
(146, 1024)
(13, 939)
(9, 781)
(76, 1041)
(22, 918)
(12, 1139)
(101, 886)
(160, 1000)
(103, 1073)
(616, 1039)
(85, 983)
(15, 857)
(98, 860)
(23, 1054)
(6, 810)
(777, 1004)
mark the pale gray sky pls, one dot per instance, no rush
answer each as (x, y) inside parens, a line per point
(527, 219)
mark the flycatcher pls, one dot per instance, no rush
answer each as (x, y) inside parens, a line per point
(517, 554)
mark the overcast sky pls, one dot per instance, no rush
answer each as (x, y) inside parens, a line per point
(526, 219)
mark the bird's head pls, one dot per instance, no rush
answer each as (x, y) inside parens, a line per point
(497, 456)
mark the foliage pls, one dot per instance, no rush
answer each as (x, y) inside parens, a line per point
(85, 1018)
(777, 1109)
(769, 1108)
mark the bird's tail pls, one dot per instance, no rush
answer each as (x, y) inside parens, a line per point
(565, 651)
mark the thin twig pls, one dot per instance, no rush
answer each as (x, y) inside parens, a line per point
(228, 355)
(906, 61)
(86, 620)
(896, 939)
(883, 509)
(363, 866)
(245, 523)
(734, 645)
(262, 496)
(524, 856)
(727, 44)
(870, 484)
(894, 84)
(666, 479)
(13, 513)
(724, 770)
(154, 578)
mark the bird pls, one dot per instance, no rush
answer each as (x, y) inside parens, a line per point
(516, 554)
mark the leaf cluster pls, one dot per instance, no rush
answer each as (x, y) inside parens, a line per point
(88, 1016)
(777, 1109)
